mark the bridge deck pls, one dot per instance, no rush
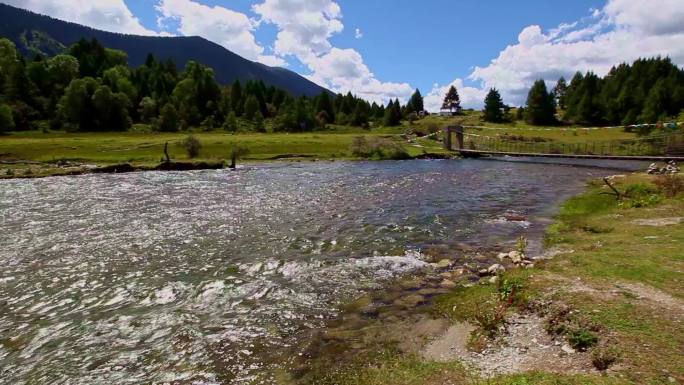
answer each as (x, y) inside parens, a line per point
(466, 152)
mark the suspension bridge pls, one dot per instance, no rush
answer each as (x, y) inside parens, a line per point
(662, 147)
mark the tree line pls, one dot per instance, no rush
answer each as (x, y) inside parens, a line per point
(91, 88)
(647, 91)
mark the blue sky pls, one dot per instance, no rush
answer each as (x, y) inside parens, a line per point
(421, 43)
(384, 49)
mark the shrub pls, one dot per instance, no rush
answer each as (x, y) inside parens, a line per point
(582, 339)
(670, 184)
(380, 148)
(168, 120)
(491, 318)
(231, 123)
(6, 118)
(208, 124)
(603, 357)
(192, 146)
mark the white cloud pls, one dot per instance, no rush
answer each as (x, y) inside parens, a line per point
(233, 30)
(470, 97)
(304, 25)
(624, 30)
(343, 70)
(107, 15)
(358, 34)
(304, 31)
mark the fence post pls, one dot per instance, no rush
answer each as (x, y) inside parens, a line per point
(447, 138)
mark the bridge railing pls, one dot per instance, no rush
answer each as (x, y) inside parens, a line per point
(660, 145)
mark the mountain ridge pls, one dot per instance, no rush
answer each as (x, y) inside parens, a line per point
(32, 32)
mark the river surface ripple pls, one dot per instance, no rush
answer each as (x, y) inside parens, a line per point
(199, 277)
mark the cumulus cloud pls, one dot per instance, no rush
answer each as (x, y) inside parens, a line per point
(343, 70)
(471, 97)
(358, 34)
(304, 26)
(624, 30)
(304, 31)
(108, 15)
(233, 30)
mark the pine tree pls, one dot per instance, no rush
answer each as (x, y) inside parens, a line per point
(416, 102)
(493, 107)
(392, 114)
(360, 114)
(236, 97)
(324, 104)
(452, 102)
(559, 92)
(231, 123)
(541, 107)
(655, 105)
(251, 107)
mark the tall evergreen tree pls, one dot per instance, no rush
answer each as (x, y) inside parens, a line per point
(452, 101)
(324, 104)
(493, 107)
(392, 114)
(236, 97)
(559, 92)
(541, 107)
(416, 102)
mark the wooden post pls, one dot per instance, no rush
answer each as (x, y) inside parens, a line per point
(459, 136)
(447, 138)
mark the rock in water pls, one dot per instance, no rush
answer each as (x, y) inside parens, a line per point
(496, 269)
(443, 264)
(410, 300)
(516, 256)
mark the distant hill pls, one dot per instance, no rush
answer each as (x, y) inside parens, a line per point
(33, 33)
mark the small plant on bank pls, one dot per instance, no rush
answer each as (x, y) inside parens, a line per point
(582, 339)
(509, 290)
(192, 146)
(491, 318)
(603, 357)
(521, 245)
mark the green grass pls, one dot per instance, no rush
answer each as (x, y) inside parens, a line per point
(147, 148)
(140, 146)
(561, 134)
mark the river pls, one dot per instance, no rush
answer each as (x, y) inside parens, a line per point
(195, 277)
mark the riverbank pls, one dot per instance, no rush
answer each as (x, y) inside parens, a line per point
(603, 304)
(34, 153)
(38, 154)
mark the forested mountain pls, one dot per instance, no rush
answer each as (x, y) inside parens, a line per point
(90, 87)
(33, 33)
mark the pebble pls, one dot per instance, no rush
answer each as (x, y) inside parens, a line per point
(447, 284)
(567, 349)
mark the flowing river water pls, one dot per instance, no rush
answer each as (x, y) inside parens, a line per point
(199, 277)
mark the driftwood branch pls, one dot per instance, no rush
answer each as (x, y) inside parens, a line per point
(618, 195)
(166, 152)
